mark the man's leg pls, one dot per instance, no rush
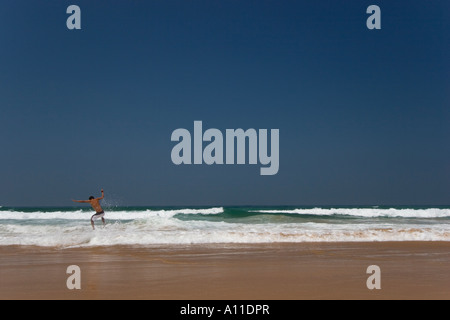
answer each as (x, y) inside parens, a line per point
(92, 222)
(103, 220)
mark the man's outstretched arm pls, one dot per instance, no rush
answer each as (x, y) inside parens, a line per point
(82, 201)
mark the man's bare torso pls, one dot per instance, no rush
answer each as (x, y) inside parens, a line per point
(95, 203)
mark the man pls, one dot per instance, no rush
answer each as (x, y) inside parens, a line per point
(95, 203)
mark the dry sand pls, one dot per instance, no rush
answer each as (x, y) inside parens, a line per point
(409, 270)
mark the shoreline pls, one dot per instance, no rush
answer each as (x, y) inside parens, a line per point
(276, 271)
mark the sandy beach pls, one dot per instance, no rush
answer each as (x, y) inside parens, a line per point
(411, 270)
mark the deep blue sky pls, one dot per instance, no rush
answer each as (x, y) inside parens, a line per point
(364, 116)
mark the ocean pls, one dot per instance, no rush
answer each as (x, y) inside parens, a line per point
(148, 226)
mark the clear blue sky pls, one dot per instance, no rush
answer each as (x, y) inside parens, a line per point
(364, 116)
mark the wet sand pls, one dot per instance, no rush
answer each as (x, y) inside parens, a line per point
(409, 270)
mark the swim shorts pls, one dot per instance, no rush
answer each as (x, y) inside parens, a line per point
(98, 215)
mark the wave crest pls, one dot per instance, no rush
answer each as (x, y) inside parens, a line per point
(365, 212)
(114, 215)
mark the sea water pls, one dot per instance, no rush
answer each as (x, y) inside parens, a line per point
(142, 226)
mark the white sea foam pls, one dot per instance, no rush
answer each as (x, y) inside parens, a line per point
(114, 215)
(162, 230)
(366, 212)
(154, 227)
